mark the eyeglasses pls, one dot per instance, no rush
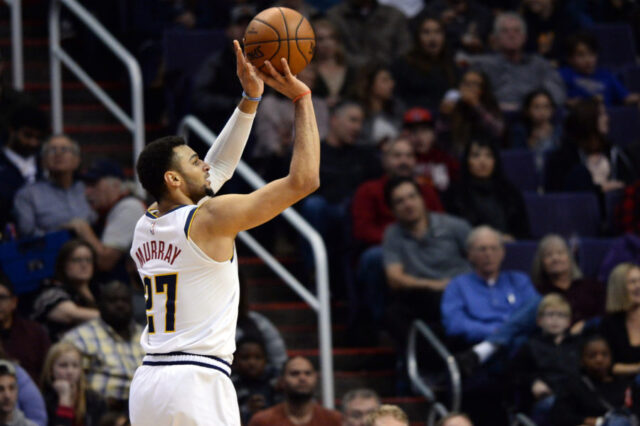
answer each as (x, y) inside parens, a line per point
(81, 260)
(60, 149)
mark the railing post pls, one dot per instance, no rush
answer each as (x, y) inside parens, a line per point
(16, 44)
(137, 108)
(54, 63)
(324, 322)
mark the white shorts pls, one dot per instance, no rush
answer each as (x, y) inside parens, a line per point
(183, 390)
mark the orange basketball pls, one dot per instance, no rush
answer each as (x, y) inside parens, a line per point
(279, 32)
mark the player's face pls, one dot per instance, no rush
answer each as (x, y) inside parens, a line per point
(250, 360)
(195, 173)
(633, 286)
(481, 161)
(400, 159)
(61, 155)
(67, 367)
(407, 202)
(300, 378)
(79, 267)
(8, 394)
(358, 409)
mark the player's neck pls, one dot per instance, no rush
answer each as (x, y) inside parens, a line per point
(168, 204)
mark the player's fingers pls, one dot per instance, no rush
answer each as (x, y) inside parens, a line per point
(272, 70)
(285, 67)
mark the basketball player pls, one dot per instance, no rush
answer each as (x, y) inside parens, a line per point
(185, 255)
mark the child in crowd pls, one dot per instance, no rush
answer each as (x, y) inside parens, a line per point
(547, 358)
(595, 397)
(584, 79)
(253, 380)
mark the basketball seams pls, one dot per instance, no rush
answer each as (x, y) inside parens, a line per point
(276, 41)
(279, 40)
(286, 28)
(297, 39)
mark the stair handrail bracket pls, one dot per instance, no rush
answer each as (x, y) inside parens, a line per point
(134, 122)
(319, 302)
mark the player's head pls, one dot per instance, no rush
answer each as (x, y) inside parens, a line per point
(168, 166)
(250, 359)
(299, 379)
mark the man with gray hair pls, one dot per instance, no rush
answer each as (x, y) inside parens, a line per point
(357, 404)
(512, 72)
(50, 204)
(474, 305)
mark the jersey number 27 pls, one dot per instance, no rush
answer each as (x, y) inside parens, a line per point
(162, 284)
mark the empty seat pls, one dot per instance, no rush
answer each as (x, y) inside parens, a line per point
(519, 255)
(630, 77)
(567, 214)
(519, 167)
(591, 252)
(624, 124)
(617, 47)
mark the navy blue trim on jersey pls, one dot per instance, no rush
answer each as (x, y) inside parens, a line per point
(148, 213)
(200, 364)
(187, 224)
(187, 353)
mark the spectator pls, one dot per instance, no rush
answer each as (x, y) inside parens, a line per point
(298, 381)
(370, 31)
(536, 130)
(110, 345)
(455, 419)
(546, 359)
(253, 379)
(425, 73)
(474, 305)
(584, 79)
(622, 322)
(382, 111)
(421, 251)
(10, 414)
(30, 400)
(67, 300)
(388, 415)
(24, 341)
(357, 404)
(49, 204)
(467, 23)
(118, 210)
(586, 161)
(512, 72)
(64, 387)
(587, 399)
(434, 165)
(485, 196)
(10, 100)
(336, 76)
(470, 111)
(19, 157)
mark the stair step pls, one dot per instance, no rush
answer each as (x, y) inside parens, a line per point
(306, 336)
(288, 313)
(381, 381)
(84, 114)
(270, 290)
(354, 359)
(74, 92)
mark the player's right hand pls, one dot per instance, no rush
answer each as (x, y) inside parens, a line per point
(286, 83)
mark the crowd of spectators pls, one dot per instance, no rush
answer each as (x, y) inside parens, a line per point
(416, 104)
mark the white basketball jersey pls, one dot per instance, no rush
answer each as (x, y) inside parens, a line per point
(191, 300)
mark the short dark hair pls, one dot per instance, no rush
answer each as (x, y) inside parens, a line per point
(395, 182)
(582, 37)
(250, 339)
(5, 282)
(154, 160)
(344, 103)
(30, 116)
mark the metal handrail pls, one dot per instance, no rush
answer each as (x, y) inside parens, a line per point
(437, 411)
(17, 61)
(421, 327)
(523, 420)
(319, 302)
(134, 122)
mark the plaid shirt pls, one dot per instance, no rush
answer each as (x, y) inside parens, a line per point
(628, 211)
(110, 361)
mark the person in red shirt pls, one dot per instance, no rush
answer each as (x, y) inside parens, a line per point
(299, 379)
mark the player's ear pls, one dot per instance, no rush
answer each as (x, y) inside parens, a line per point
(172, 179)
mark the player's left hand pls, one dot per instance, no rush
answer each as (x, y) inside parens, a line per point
(251, 83)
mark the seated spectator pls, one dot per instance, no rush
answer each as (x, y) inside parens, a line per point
(358, 404)
(476, 304)
(110, 345)
(586, 160)
(621, 324)
(10, 414)
(468, 111)
(485, 196)
(536, 129)
(370, 31)
(422, 251)
(10, 99)
(455, 419)
(434, 165)
(388, 415)
(30, 400)
(425, 73)
(118, 210)
(336, 76)
(253, 379)
(49, 204)
(64, 387)
(19, 156)
(585, 400)
(67, 300)
(585, 80)
(467, 23)
(298, 381)
(512, 72)
(546, 359)
(24, 340)
(382, 110)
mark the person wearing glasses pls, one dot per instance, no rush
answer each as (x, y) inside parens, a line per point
(51, 203)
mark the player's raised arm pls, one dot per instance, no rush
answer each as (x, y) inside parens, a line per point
(234, 213)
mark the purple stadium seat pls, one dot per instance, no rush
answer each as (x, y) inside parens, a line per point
(566, 213)
(617, 47)
(630, 77)
(519, 167)
(624, 125)
(591, 252)
(519, 255)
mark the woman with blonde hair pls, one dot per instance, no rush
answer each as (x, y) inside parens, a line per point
(64, 387)
(621, 325)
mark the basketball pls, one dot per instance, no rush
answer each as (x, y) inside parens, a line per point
(279, 32)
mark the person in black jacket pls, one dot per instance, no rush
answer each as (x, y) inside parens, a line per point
(485, 196)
